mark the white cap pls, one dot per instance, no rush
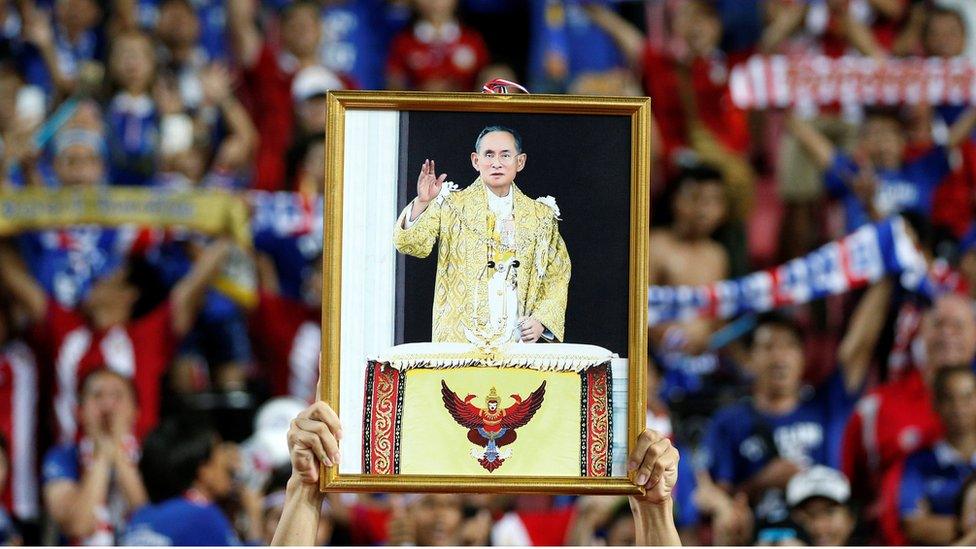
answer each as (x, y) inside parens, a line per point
(818, 481)
(271, 428)
(313, 81)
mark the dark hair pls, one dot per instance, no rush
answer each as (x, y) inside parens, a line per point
(488, 129)
(923, 228)
(288, 9)
(940, 385)
(889, 113)
(699, 173)
(173, 454)
(104, 370)
(777, 320)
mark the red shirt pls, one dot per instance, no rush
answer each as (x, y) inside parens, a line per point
(709, 78)
(448, 62)
(18, 424)
(888, 424)
(953, 205)
(287, 337)
(267, 86)
(140, 350)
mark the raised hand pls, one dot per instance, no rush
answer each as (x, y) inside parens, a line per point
(428, 184)
(314, 437)
(655, 462)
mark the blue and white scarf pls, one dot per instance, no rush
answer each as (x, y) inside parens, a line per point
(857, 260)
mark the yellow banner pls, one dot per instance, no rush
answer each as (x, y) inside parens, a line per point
(433, 441)
(206, 211)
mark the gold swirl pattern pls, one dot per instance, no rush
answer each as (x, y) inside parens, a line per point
(598, 436)
(384, 411)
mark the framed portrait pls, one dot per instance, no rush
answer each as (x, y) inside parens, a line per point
(485, 290)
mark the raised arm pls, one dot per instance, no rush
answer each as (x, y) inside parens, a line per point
(15, 278)
(245, 35)
(654, 463)
(785, 19)
(217, 90)
(863, 332)
(313, 440)
(629, 39)
(962, 128)
(815, 143)
(39, 31)
(861, 37)
(188, 294)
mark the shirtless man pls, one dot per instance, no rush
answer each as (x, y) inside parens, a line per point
(685, 254)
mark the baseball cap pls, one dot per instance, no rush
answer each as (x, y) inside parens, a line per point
(818, 481)
(314, 81)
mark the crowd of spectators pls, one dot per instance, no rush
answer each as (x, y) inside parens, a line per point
(850, 420)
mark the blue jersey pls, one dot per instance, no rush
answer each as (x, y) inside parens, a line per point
(61, 463)
(742, 24)
(66, 261)
(179, 522)
(909, 188)
(133, 138)
(213, 22)
(935, 476)
(742, 440)
(356, 36)
(288, 227)
(563, 28)
(685, 510)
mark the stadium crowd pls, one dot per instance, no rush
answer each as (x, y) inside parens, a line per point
(849, 420)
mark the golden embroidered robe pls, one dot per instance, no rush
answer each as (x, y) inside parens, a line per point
(461, 289)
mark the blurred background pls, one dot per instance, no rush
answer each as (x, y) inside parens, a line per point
(154, 363)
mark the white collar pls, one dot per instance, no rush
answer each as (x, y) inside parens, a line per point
(138, 105)
(946, 455)
(495, 200)
(427, 33)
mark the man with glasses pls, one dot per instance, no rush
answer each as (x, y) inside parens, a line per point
(502, 266)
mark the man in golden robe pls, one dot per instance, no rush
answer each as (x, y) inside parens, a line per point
(502, 267)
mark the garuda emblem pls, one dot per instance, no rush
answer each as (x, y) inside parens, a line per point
(492, 427)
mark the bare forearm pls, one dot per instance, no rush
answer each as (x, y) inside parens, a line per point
(15, 279)
(238, 121)
(963, 128)
(628, 38)
(300, 516)
(931, 529)
(92, 493)
(130, 483)
(814, 142)
(783, 25)
(859, 35)
(188, 293)
(655, 523)
(865, 328)
(893, 9)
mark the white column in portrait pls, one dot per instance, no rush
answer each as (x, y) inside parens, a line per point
(368, 262)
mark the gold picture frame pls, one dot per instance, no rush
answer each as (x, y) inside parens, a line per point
(638, 109)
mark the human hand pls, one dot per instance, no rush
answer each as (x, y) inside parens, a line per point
(38, 29)
(428, 184)
(215, 79)
(654, 461)
(314, 436)
(531, 329)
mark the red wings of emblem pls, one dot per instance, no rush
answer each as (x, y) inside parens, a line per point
(492, 427)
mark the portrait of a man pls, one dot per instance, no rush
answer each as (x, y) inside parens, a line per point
(503, 269)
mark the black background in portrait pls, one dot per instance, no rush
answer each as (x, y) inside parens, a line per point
(581, 160)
